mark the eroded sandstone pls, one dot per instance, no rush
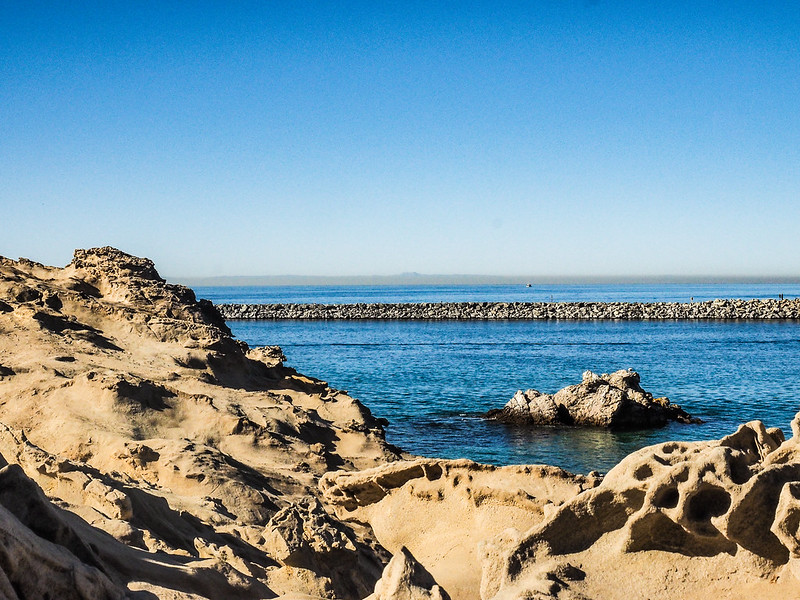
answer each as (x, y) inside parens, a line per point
(172, 446)
(721, 516)
(144, 452)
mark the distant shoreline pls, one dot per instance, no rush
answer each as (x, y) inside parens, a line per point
(422, 279)
(733, 309)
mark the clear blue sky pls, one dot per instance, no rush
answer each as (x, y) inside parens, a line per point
(338, 138)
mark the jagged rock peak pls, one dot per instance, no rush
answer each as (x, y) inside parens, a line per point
(118, 276)
(114, 262)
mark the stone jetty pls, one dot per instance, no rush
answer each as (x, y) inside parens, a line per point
(487, 311)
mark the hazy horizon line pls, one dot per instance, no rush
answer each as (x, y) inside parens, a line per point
(461, 279)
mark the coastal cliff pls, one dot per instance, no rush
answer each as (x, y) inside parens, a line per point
(184, 461)
(146, 453)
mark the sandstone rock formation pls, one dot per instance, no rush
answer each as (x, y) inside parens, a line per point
(613, 400)
(405, 579)
(185, 460)
(39, 546)
(145, 453)
(675, 520)
(441, 510)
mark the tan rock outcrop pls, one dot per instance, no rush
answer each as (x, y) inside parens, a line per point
(405, 579)
(173, 445)
(720, 516)
(442, 510)
(147, 453)
(614, 400)
(38, 547)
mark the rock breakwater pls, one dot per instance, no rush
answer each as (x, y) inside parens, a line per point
(713, 309)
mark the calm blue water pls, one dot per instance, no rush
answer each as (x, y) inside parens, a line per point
(432, 379)
(677, 292)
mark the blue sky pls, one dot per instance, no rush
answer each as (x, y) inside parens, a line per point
(341, 138)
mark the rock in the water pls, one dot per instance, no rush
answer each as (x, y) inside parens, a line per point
(613, 400)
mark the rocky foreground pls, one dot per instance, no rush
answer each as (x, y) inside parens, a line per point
(147, 454)
(491, 311)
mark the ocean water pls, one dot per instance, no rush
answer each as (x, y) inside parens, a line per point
(677, 292)
(433, 379)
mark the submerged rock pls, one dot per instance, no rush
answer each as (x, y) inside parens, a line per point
(614, 400)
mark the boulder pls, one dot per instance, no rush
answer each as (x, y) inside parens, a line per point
(405, 579)
(614, 400)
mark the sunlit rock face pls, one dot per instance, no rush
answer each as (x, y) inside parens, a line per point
(710, 514)
(180, 455)
(614, 400)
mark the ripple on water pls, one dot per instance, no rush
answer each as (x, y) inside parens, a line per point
(425, 376)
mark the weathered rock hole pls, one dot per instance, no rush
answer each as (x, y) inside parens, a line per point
(661, 460)
(794, 490)
(643, 472)
(709, 502)
(740, 473)
(433, 472)
(667, 498)
(669, 448)
(27, 294)
(54, 302)
(635, 498)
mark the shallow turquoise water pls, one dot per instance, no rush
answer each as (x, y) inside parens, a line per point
(432, 379)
